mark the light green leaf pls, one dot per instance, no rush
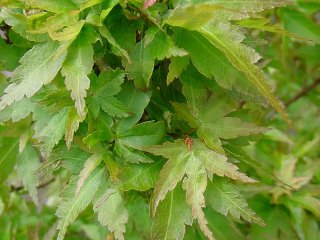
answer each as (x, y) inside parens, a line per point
(130, 154)
(224, 197)
(27, 164)
(135, 101)
(222, 227)
(70, 32)
(161, 45)
(308, 202)
(296, 22)
(17, 111)
(38, 67)
(179, 155)
(143, 134)
(89, 166)
(264, 24)
(217, 65)
(1, 206)
(112, 212)
(172, 216)
(228, 40)
(72, 205)
(172, 172)
(217, 164)
(117, 48)
(196, 13)
(8, 158)
(194, 89)
(72, 125)
(177, 65)
(89, 3)
(192, 16)
(75, 69)
(140, 68)
(24, 25)
(53, 132)
(139, 177)
(208, 118)
(57, 6)
(195, 185)
(103, 90)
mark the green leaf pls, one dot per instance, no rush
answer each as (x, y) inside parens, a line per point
(73, 204)
(27, 164)
(38, 67)
(57, 6)
(224, 197)
(103, 90)
(53, 132)
(161, 45)
(296, 22)
(118, 49)
(142, 135)
(68, 33)
(195, 185)
(171, 173)
(264, 25)
(194, 89)
(112, 212)
(89, 166)
(222, 227)
(172, 216)
(196, 13)
(75, 69)
(224, 73)
(140, 68)
(179, 155)
(72, 125)
(208, 117)
(135, 101)
(17, 111)
(8, 158)
(177, 65)
(130, 154)
(192, 16)
(228, 40)
(23, 24)
(139, 177)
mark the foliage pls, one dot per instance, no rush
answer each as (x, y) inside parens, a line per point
(159, 119)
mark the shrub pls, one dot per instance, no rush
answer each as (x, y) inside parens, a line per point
(155, 120)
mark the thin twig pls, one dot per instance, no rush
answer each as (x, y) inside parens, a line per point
(303, 92)
(20, 188)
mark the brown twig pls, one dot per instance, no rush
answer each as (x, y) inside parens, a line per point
(303, 92)
(20, 188)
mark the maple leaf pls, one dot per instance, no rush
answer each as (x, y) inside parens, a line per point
(191, 162)
(172, 216)
(38, 67)
(112, 211)
(73, 204)
(224, 197)
(210, 120)
(76, 68)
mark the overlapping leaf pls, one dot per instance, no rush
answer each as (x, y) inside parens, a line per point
(112, 212)
(224, 197)
(72, 205)
(191, 163)
(38, 67)
(210, 120)
(76, 68)
(172, 216)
